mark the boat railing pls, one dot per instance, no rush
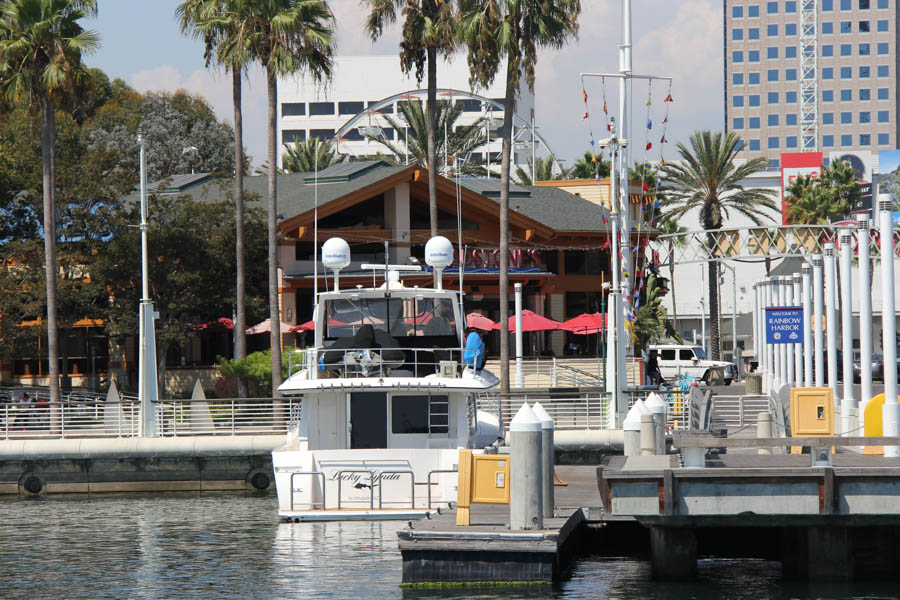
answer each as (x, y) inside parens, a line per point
(431, 483)
(371, 362)
(678, 404)
(578, 411)
(412, 487)
(295, 490)
(372, 477)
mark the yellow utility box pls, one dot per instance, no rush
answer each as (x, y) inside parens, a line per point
(812, 413)
(483, 479)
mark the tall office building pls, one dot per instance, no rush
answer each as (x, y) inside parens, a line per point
(811, 75)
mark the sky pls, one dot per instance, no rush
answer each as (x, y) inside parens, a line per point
(141, 42)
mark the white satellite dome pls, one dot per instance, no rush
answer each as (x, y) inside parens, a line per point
(439, 252)
(336, 254)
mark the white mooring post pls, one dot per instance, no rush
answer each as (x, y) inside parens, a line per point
(807, 331)
(848, 402)
(798, 348)
(789, 348)
(891, 411)
(756, 324)
(831, 319)
(769, 288)
(648, 435)
(865, 311)
(657, 408)
(520, 376)
(547, 459)
(818, 289)
(525, 503)
(631, 426)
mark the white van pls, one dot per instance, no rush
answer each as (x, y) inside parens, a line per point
(676, 360)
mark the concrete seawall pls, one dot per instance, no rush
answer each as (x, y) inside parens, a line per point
(86, 465)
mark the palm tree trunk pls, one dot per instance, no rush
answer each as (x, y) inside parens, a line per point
(505, 161)
(713, 285)
(48, 147)
(240, 319)
(672, 284)
(271, 221)
(431, 112)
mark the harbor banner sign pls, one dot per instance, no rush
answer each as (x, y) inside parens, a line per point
(784, 325)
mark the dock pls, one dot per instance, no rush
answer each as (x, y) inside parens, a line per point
(437, 551)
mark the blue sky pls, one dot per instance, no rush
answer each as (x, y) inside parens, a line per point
(142, 43)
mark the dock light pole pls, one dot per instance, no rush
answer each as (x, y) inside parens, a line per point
(805, 271)
(769, 286)
(789, 348)
(756, 324)
(865, 312)
(891, 411)
(831, 318)
(817, 323)
(775, 284)
(848, 402)
(520, 375)
(798, 348)
(148, 395)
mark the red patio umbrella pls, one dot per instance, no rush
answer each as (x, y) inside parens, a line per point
(221, 322)
(531, 322)
(308, 326)
(479, 321)
(586, 323)
(266, 327)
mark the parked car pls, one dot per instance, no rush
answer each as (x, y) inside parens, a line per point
(877, 368)
(676, 360)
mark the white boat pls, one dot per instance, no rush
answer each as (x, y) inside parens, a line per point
(387, 401)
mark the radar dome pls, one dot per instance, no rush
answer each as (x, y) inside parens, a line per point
(335, 254)
(439, 252)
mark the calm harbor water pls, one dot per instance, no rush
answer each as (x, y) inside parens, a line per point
(233, 546)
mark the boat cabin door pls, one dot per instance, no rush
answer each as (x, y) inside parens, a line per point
(368, 420)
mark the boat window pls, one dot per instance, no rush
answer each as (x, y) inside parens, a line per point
(433, 316)
(401, 317)
(420, 414)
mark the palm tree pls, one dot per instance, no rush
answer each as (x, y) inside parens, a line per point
(41, 44)
(427, 31)
(286, 36)
(820, 200)
(544, 172)
(304, 157)
(707, 179)
(512, 29)
(460, 140)
(588, 168)
(669, 227)
(223, 26)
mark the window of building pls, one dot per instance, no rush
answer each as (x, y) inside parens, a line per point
(772, 75)
(828, 118)
(470, 105)
(322, 134)
(737, 101)
(737, 56)
(790, 6)
(772, 8)
(737, 35)
(827, 28)
(864, 27)
(321, 108)
(790, 141)
(864, 50)
(828, 141)
(772, 52)
(846, 72)
(737, 123)
(772, 120)
(790, 119)
(385, 110)
(846, 50)
(827, 50)
(737, 12)
(865, 72)
(772, 30)
(846, 118)
(882, 49)
(883, 94)
(753, 78)
(883, 71)
(864, 94)
(883, 4)
(827, 5)
(754, 145)
(846, 27)
(865, 139)
(774, 163)
(753, 56)
(827, 95)
(754, 100)
(846, 140)
(388, 132)
(790, 97)
(352, 135)
(790, 29)
(292, 136)
(772, 97)
(827, 73)
(883, 26)
(846, 5)
(884, 116)
(754, 122)
(753, 11)
(737, 79)
(753, 33)
(293, 109)
(863, 4)
(846, 95)
(790, 74)
(884, 139)
(773, 142)
(790, 51)
(865, 117)
(350, 108)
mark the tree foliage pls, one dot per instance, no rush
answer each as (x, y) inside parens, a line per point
(306, 156)
(587, 168)
(544, 172)
(820, 200)
(652, 322)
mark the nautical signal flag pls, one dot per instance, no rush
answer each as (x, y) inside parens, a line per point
(586, 115)
(649, 124)
(606, 112)
(649, 145)
(584, 91)
(669, 98)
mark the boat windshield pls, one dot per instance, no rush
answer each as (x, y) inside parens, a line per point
(401, 317)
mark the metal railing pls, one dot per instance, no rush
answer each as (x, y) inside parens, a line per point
(412, 488)
(588, 410)
(678, 405)
(295, 490)
(739, 411)
(340, 480)
(370, 362)
(431, 483)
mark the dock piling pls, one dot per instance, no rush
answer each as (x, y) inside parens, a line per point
(547, 456)
(648, 435)
(525, 506)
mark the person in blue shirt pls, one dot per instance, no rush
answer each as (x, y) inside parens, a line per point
(474, 354)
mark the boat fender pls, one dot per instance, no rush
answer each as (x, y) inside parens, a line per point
(31, 484)
(259, 479)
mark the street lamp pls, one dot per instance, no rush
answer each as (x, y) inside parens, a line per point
(191, 150)
(147, 391)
